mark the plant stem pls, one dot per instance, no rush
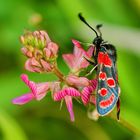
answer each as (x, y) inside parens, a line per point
(58, 73)
(126, 124)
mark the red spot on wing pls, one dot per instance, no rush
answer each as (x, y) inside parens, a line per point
(102, 75)
(104, 59)
(112, 98)
(107, 61)
(110, 82)
(103, 91)
(100, 57)
(107, 102)
(102, 104)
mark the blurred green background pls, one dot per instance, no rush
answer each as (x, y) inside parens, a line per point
(43, 120)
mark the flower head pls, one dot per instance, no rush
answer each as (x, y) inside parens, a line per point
(76, 61)
(38, 91)
(67, 94)
(40, 50)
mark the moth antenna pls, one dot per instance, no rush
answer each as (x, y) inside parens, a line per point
(98, 28)
(83, 20)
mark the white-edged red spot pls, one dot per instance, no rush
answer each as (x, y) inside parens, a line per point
(107, 102)
(110, 82)
(103, 91)
(107, 61)
(102, 75)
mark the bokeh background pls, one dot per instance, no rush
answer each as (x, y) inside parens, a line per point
(43, 120)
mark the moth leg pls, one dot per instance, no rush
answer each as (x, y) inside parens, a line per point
(90, 61)
(118, 109)
(91, 70)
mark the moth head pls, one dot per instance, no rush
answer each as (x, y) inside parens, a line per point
(97, 41)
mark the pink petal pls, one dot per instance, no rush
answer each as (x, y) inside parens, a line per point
(33, 87)
(23, 99)
(78, 50)
(87, 91)
(67, 91)
(84, 63)
(53, 47)
(46, 36)
(76, 43)
(30, 84)
(72, 92)
(94, 83)
(46, 65)
(69, 59)
(38, 70)
(68, 100)
(33, 65)
(79, 54)
(47, 52)
(34, 62)
(40, 96)
(26, 52)
(55, 87)
(89, 54)
(59, 95)
(24, 78)
(77, 81)
(76, 60)
(28, 65)
(42, 89)
(90, 51)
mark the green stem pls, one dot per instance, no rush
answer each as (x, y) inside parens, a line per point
(58, 73)
(126, 124)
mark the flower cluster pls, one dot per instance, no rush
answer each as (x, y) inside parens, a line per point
(40, 50)
(41, 55)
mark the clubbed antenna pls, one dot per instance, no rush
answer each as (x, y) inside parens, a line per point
(83, 20)
(98, 28)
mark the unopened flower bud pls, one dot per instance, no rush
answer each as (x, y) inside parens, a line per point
(38, 54)
(33, 65)
(47, 53)
(53, 47)
(22, 39)
(51, 51)
(26, 52)
(46, 66)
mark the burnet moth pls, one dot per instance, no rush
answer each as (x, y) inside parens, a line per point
(108, 90)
